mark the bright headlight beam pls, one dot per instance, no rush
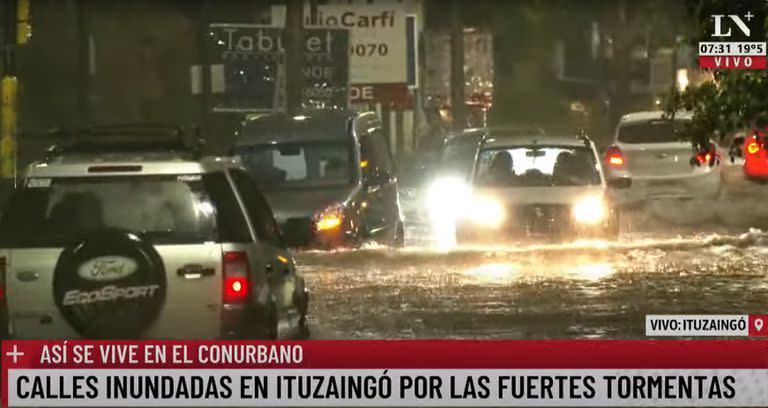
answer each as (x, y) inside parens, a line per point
(486, 212)
(590, 210)
(446, 198)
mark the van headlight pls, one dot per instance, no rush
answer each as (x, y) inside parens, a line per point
(589, 210)
(486, 212)
(329, 218)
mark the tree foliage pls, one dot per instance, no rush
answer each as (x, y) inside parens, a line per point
(734, 99)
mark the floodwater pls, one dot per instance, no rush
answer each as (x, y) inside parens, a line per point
(694, 257)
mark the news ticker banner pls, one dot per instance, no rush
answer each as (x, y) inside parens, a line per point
(706, 325)
(384, 373)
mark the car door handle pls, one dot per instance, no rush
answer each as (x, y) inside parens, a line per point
(195, 271)
(27, 276)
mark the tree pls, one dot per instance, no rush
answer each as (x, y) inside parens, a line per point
(734, 99)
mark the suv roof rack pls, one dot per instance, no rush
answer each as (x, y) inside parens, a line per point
(124, 138)
(582, 135)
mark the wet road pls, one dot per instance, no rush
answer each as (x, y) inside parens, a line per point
(698, 258)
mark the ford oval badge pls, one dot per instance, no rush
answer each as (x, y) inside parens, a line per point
(107, 268)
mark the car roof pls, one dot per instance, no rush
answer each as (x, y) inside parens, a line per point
(309, 125)
(494, 141)
(126, 164)
(651, 115)
(502, 136)
(496, 130)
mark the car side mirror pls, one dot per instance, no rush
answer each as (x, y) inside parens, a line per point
(619, 183)
(378, 177)
(375, 180)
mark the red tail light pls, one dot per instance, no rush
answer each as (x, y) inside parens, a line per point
(236, 277)
(707, 157)
(614, 157)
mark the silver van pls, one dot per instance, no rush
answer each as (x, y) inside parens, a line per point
(328, 175)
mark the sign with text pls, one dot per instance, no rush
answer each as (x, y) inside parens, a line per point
(248, 73)
(377, 47)
(396, 95)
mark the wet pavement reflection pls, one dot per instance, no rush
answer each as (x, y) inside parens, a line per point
(581, 289)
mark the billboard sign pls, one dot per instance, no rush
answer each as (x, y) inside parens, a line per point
(247, 67)
(382, 48)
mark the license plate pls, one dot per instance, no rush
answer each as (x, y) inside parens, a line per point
(664, 183)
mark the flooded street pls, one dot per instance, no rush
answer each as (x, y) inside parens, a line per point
(589, 289)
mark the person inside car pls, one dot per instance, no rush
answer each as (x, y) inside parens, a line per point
(500, 171)
(562, 172)
(336, 169)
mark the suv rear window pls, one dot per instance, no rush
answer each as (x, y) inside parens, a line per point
(173, 209)
(655, 131)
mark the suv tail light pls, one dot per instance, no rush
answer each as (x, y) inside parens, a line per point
(706, 156)
(236, 277)
(614, 157)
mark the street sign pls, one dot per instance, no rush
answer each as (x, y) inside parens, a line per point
(382, 49)
(247, 67)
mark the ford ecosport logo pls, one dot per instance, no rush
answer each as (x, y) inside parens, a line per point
(107, 268)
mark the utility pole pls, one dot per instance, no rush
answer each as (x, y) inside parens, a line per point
(16, 32)
(205, 63)
(83, 61)
(457, 67)
(294, 55)
(623, 32)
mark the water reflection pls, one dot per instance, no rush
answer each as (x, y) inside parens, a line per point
(494, 273)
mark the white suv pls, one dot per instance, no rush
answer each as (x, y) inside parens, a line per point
(649, 149)
(127, 233)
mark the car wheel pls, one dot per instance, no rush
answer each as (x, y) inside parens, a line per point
(265, 327)
(304, 332)
(464, 236)
(614, 227)
(399, 239)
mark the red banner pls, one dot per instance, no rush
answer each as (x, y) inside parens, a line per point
(732, 62)
(401, 354)
(734, 371)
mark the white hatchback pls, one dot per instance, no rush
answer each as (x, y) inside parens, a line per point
(649, 149)
(504, 183)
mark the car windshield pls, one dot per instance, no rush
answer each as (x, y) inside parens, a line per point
(53, 212)
(300, 165)
(655, 131)
(537, 166)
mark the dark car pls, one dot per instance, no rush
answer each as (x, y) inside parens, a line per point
(328, 175)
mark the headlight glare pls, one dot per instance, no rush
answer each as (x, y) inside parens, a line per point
(447, 198)
(486, 212)
(329, 218)
(589, 210)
